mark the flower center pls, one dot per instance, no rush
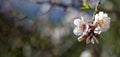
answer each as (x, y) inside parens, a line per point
(101, 22)
(83, 26)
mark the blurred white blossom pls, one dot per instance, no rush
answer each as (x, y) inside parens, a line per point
(58, 33)
(86, 53)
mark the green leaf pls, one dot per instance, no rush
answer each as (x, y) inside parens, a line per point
(86, 7)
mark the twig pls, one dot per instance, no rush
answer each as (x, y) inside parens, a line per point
(96, 8)
(95, 50)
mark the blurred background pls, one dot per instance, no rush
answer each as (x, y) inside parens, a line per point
(44, 28)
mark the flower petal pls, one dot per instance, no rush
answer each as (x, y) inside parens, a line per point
(97, 30)
(77, 31)
(80, 38)
(96, 16)
(77, 22)
(87, 27)
(105, 26)
(101, 14)
(105, 15)
(96, 19)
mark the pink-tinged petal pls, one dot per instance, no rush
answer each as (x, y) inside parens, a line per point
(83, 26)
(77, 31)
(87, 27)
(78, 22)
(81, 38)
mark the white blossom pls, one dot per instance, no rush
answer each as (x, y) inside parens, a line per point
(81, 26)
(90, 31)
(103, 21)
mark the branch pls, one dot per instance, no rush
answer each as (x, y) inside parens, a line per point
(97, 5)
(96, 8)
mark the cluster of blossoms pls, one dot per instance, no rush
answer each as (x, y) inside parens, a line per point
(89, 31)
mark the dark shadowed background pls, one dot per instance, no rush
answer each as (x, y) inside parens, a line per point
(44, 28)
